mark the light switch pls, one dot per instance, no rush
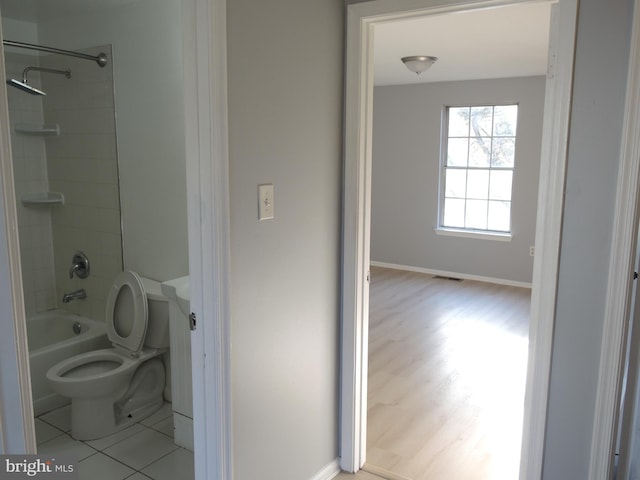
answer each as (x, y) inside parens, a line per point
(265, 202)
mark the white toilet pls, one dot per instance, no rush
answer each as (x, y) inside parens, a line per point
(114, 387)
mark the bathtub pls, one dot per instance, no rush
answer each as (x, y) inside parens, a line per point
(51, 338)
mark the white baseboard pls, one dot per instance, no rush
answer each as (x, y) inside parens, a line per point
(329, 471)
(442, 273)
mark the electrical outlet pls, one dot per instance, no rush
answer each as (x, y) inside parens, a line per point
(266, 209)
(532, 251)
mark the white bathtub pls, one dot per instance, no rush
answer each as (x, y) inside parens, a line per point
(51, 339)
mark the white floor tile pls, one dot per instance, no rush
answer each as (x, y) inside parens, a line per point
(141, 449)
(45, 432)
(101, 467)
(60, 418)
(66, 445)
(164, 426)
(178, 464)
(106, 442)
(163, 413)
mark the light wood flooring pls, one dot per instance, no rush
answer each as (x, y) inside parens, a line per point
(447, 370)
(361, 475)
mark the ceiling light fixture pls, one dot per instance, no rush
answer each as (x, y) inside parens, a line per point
(418, 63)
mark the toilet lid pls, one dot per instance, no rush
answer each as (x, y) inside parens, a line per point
(127, 312)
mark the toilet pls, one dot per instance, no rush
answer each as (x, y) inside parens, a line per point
(114, 387)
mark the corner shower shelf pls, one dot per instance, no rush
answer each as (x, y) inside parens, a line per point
(42, 199)
(52, 129)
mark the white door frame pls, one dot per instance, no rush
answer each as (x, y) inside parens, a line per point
(361, 19)
(204, 48)
(17, 428)
(621, 266)
(206, 123)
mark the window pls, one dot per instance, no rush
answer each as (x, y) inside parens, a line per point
(477, 168)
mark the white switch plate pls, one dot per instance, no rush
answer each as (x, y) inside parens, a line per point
(266, 209)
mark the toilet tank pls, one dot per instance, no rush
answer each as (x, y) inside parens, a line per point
(158, 325)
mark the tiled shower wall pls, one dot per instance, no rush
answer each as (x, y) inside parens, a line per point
(81, 163)
(30, 172)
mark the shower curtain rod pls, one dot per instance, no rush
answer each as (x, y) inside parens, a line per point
(100, 59)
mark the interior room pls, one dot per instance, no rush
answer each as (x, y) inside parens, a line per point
(449, 307)
(99, 167)
(286, 127)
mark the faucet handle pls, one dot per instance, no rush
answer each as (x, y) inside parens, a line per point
(79, 265)
(74, 268)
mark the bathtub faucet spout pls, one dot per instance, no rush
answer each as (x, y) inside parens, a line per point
(77, 295)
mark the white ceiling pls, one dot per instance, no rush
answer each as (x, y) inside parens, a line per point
(499, 42)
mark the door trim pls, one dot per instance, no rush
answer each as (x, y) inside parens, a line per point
(17, 427)
(620, 281)
(206, 128)
(361, 19)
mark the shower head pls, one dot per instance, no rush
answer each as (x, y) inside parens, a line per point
(24, 85)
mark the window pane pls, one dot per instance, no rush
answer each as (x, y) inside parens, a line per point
(457, 152)
(481, 121)
(479, 151)
(478, 184)
(500, 184)
(453, 213)
(458, 122)
(476, 214)
(505, 119)
(455, 182)
(499, 216)
(478, 167)
(503, 152)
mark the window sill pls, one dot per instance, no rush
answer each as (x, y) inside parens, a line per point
(453, 232)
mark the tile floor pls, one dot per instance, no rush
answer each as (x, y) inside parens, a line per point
(141, 452)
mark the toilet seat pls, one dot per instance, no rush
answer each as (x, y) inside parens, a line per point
(127, 312)
(94, 371)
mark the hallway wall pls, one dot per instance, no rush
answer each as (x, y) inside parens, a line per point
(285, 128)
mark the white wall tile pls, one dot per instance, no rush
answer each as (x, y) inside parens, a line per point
(30, 175)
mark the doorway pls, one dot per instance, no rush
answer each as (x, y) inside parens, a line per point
(83, 142)
(362, 19)
(407, 136)
(194, 16)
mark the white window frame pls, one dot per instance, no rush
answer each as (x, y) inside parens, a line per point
(441, 229)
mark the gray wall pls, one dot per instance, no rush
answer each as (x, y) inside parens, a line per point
(594, 148)
(285, 121)
(406, 157)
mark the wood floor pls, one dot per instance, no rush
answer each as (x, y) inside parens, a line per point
(447, 369)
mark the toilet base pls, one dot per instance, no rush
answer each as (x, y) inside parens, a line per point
(93, 418)
(87, 425)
